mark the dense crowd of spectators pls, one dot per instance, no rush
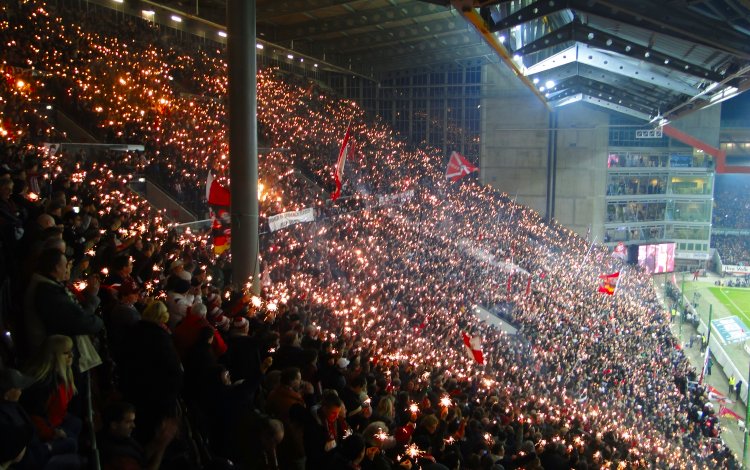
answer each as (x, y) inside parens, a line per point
(734, 249)
(731, 202)
(352, 356)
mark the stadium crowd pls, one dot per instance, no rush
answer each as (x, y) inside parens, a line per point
(730, 204)
(353, 355)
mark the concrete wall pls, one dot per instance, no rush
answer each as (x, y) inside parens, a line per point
(705, 125)
(513, 151)
(514, 148)
(582, 141)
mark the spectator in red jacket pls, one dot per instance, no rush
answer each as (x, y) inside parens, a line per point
(48, 399)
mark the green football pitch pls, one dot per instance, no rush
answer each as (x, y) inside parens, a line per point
(735, 299)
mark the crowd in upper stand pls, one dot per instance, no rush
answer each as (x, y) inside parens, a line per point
(352, 356)
(731, 211)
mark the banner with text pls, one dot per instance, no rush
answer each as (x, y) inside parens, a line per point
(285, 219)
(395, 199)
(731, 329)
(736, 269)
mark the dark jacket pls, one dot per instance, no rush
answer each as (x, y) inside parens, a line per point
(51, 309)
(150, 370)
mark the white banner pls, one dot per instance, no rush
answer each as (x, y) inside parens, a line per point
(51, 148)
(395, 199)
(285, 219)
(736, 269)
(481, 254)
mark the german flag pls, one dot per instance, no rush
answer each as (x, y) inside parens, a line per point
(609, 283)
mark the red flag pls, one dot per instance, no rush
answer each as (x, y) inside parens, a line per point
(343, 152)
(458, 167)
(610, 283)
(724, 411)
(352, 151)
(510, 279)
(528, 286)
(216, 194)
(475, 346)
(610, 276)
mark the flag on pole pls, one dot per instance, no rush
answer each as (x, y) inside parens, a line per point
(221, 231)
(704, 369)
(474, 344)
(351, 153)
(610, 283)
(216, 194)
(344, 151)
(458, 167)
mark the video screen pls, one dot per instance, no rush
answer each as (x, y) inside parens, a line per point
(657, 258)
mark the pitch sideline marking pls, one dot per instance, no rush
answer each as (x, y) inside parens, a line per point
(741, 312)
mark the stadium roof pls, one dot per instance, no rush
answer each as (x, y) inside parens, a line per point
(650, 59)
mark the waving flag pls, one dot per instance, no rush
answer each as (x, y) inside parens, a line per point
(346, 148)
(474, 344)
(351, 152)
(610, 283)
(216, 194)
(458, 167)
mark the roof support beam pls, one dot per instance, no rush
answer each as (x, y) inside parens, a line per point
(595, 88)
(615, 107)
(680, 23)
(593, 57)
(473, 17)
(606, 41)
(553, 38)
(609, 42)
(524, 15)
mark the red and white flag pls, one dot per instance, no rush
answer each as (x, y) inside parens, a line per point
(216, 194)
(715, 395)
(474, 343)
(610, 283)
(458, 167)
(346, 148)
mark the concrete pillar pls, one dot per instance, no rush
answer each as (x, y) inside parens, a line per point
(243, 142)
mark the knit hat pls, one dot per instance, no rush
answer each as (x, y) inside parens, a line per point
(222, 323)
(240, 323)
(199, 309)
